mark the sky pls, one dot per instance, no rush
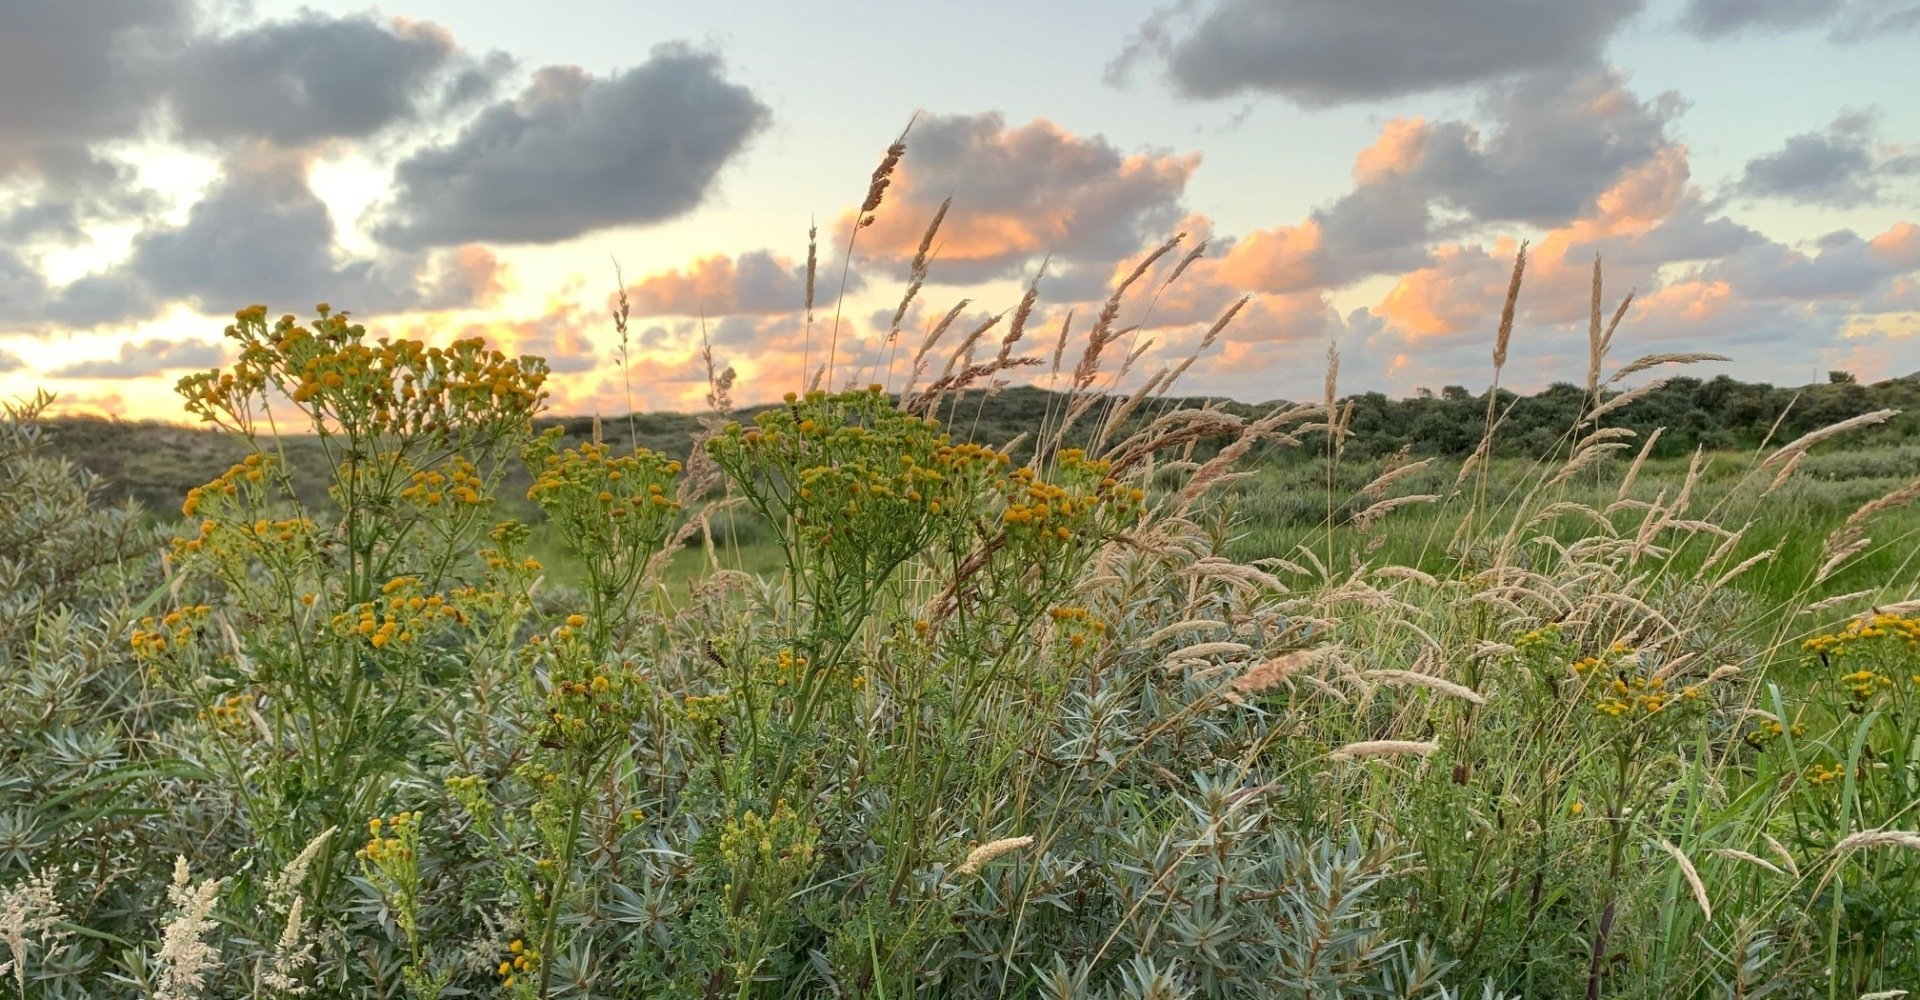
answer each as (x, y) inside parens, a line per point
(1362, 171)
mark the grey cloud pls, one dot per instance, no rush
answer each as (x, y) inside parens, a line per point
(1843, 266)
(1318, 53)
(312, 78)
(576, 153)
(76, 73)
(10, 363)
(59, 190)
(1559, 141)
(1554, 144)
(1844, 166)
(1844, 20)
(149, 358)
(262, 235)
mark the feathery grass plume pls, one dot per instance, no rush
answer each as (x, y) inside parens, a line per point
(1878, 838)
(1505, 333)
(1206, 649)
(1206, 341)
(1639, 460)
(813, 268)
(1269, 674)
(917, 271)
(1625, 399)
(918, 366)
(1216, 469)
(1181, 628)
(1799, 445)
(1745, 564)
(876, 193)
(1398, 468)
(1418, 576)
(1780, 851)
(1411, 678)
(1102, 332)
(1599, 348)
(1022, 313)
(1829, 603)
(1837, 558)
(1752, 859)
(1647, 361)
(1594, 353)
(30, 917)
(1582, 459)
(1857, 521)
(286, 885)
(1185, 262)
(962, 356)
(185, 956)
(987, 852)
(1366, 516)
(1786, 472)
(1693, 879)
(289, 955)
(1365, 749)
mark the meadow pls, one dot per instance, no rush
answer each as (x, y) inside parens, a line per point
(852, 699)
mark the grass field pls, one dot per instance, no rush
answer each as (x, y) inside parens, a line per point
(422, 703)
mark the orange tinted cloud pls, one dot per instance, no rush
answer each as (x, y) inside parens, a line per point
(1461, 290)
(1899, 246)
(720, 285)
(1397, 151)
(1019, 192)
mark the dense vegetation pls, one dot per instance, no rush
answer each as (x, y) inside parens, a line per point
(1170, 701)
(157, 463)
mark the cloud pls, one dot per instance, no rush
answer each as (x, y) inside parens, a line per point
(1320, 54)
(1555, 143)
(59, 191)
(754, 282)
(138, 360)
(88, 67)
(10, 362)
(1020, 193)
(577, 153)
(1844, 20)
(313, 78)
(1844, 166)
(262, 235)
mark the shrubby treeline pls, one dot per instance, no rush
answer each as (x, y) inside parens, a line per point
(156, 464)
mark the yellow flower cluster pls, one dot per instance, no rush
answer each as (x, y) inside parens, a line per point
(1897, 631)
(401, 614)
(1628, 695)
(1090, 501)
(154, 637)
(229, 714)
(788, 668)
(460, 484)
(1863, 683)
(1076, 624)
(520, 960)
(703, 709)
(1769, 730)
(252, 469)
(1821, 775)
(390, 839)
(1545, 635)
(614, 511)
